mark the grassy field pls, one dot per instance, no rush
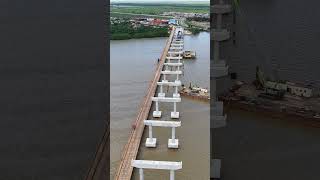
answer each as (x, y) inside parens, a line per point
(123, 15)
(157, 9)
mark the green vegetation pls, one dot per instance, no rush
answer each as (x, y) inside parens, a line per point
(195, 30)
(200, 19)
(124, 30)
(157, 9)
(124, 15)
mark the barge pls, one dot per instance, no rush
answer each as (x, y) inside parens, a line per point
(195, 92)
(189, 54)
(247, 97)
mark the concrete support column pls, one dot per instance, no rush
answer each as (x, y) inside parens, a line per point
(164, 77)
(176, 94)
(157, 106)
(174, 113)
(216, 51)
(171, 175)
(219, 21)
(214, 84)
(151, 142)
(141, 174)
(161, 94)
(173, 135)
(150, 132)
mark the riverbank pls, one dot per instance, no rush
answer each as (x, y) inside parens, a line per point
(124, 30)
(126, 36)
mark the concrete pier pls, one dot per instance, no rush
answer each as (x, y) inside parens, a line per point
(175, 84)
(130, 151)
(173, 142)
(162, 165)
(219, 70)
(166, 72)
(174, 113)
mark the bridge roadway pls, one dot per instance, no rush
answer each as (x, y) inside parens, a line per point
(130, 151)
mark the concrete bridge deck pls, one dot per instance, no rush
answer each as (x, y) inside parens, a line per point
(130, 151)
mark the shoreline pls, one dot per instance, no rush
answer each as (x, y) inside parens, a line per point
(256, 110)
(145, 37)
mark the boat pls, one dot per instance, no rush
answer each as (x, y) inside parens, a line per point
(247, 97)
(189, 54)
(195, 92)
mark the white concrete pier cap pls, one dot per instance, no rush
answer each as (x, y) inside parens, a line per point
(149, 164)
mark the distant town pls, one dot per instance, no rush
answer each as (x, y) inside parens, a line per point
(138, 21)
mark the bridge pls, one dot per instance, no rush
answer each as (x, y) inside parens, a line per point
(130, 151)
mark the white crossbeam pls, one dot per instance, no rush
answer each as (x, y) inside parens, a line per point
(177, 44)
(175, 52)
(171, 72)
(166, 99)
(167, 83)
(178, 41)
(173, 58)
(164, 165)
(174, 47)
(173, 64)
(162, 123)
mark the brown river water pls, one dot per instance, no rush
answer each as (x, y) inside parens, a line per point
(132, 65)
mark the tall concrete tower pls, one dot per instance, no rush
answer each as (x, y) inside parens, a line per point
(219, 74)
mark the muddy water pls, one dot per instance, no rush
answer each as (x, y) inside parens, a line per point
(132, 66)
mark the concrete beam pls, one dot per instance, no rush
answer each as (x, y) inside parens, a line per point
(215, 168)
(176, 48)
(175, 52)
(177, 44)
(171, 72)
(164, 165)
(166, 99)
(220, 34)
(219, 68)
(173, 64)
(177, 40)
(162, 123)
(218, 121)
(176, 83)
(173, 58)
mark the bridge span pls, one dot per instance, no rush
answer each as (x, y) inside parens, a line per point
(130, 151)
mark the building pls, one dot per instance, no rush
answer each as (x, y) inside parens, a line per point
(156, 22)
(172, 22)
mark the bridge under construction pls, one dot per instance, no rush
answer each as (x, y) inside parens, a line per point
(171, 56)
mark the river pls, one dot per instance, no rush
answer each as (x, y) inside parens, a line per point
(132, 65)
(285, 33)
